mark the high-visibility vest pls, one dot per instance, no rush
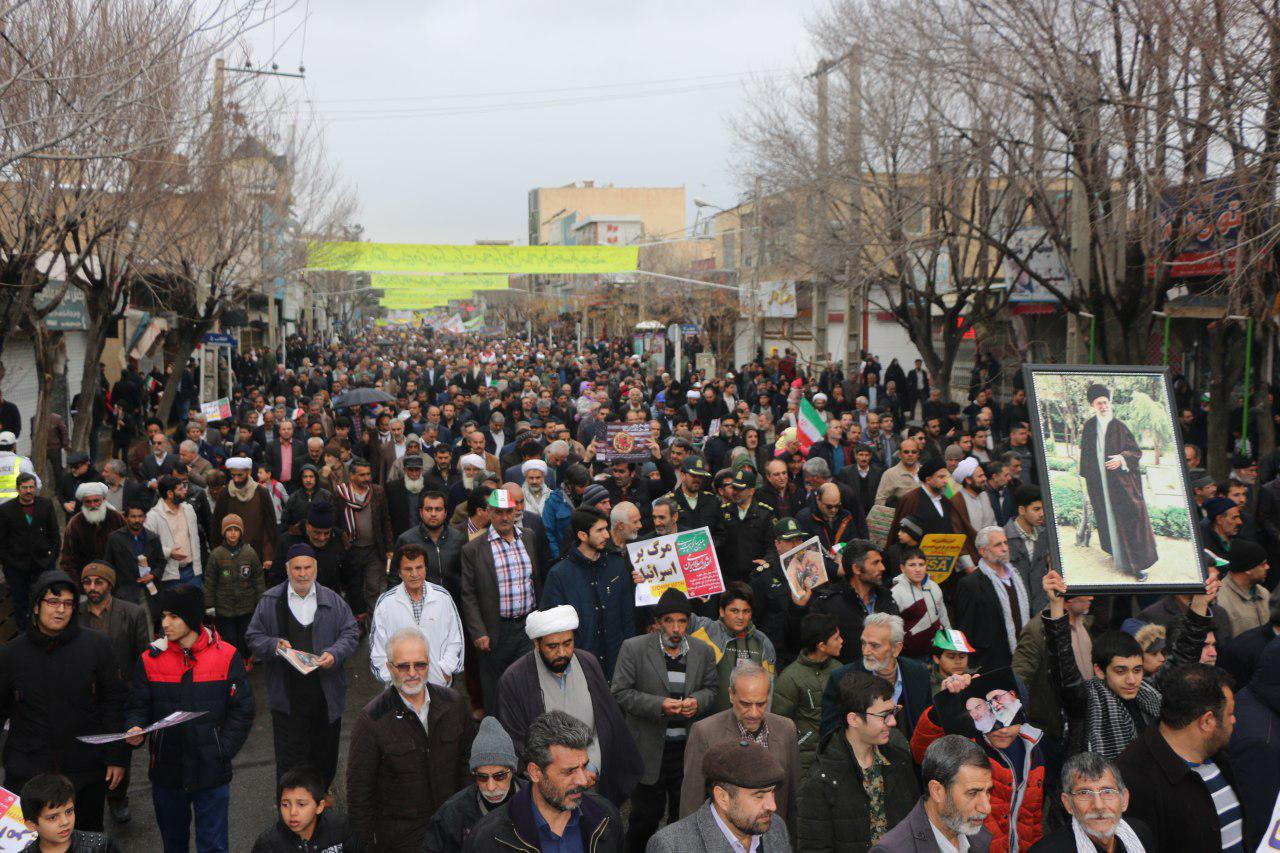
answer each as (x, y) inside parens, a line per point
(9, 479)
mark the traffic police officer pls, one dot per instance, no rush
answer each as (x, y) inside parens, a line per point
(11, 465)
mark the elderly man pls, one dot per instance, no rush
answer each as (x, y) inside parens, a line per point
(409, 751)
(972, 502)
(415, 603)
(992, 604)
(404, 495)
(87, 532)
(471, 466)
(244, 497)
(300, 615)
(1096, 798)
(743, 809)
(556, 811)
(746, 719)
(958, 785)
(361, 506)
(557, 677)
(882, 637)
(664, 686)
(499, 589)
(198, 467)
(902, 478)
(535, 488)
(128, 629)
(493, 765)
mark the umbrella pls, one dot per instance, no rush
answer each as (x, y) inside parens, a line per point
(361, 397)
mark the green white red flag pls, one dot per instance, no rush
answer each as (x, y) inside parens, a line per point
(810, 425)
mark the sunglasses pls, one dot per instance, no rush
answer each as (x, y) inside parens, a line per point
(500, 776)
(414, 666)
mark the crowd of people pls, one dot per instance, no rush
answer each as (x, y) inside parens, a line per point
(445, 510)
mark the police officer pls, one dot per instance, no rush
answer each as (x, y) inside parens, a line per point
(11, 465)
(776, 613)
(747, 523)
(697, 507)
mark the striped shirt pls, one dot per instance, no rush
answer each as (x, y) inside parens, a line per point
(677, 727)
(1225, 803)
(515, 576)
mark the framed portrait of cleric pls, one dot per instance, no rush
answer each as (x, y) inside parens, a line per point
(1118, 508)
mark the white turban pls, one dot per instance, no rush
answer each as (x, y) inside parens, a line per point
(819, 397)
(540, 623)
(533, 465)
(691, 394)
(472, 460)
(85, 490)
(239, 463)
(965, 468)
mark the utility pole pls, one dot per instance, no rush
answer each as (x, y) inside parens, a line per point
(855, 317)
(818, 208)
(757, 323)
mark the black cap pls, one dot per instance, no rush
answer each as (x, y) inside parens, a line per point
(1245, 556)
(413, 460)
(931, 466)
(695, 465)
(672, 601)
(744, 479)
(80, 458)
(186, 602)
(743, 763)
(787, 528)
(1097, 390)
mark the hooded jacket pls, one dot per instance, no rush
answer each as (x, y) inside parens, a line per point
(602, 593)
(727, 648)
(54, 689)
(556, 515)
(209, 677)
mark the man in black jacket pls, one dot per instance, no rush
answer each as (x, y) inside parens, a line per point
(1179, 777)
(128, 548)
(556, 762)
(332, 568)
(493, 765)
(852, 598)
(57, 683)
(29, 543)
(405, 496)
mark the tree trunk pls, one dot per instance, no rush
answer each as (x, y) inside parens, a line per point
(1262, 421)
(95, 343)
(45, 344)
(187, 338)
(1224, 370)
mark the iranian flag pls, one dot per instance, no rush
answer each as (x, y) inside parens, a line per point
(810, 425)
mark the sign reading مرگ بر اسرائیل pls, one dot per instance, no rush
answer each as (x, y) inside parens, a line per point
(685, 561)
(514, 260)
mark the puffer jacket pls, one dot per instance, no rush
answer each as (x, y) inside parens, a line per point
(82, 842)
(556, 515)
(1030, 809)
(797, 695)
(752, 645)
(833, 804)
(333, 834)
(233, 580)
(209, 677)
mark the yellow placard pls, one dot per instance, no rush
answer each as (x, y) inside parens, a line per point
(941, 550)
(407, 257)
(438, 283)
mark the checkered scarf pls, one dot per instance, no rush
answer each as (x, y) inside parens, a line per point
(1109, 727)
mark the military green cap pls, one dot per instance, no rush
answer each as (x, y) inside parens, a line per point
(787, 528)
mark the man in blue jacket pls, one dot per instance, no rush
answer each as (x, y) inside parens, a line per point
(560, 505)
(306, 709)
(597, 583)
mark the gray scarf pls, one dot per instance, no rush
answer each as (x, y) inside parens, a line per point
(1002, 593)
(574, 699)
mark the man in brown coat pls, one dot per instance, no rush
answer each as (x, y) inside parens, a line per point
(85, 538)
(361, 506)
(244, 498)
(410, 751)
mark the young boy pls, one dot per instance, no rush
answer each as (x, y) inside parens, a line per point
(797, 695)
(919, 600)
(305, 823)
(233, 583)
(49, 810)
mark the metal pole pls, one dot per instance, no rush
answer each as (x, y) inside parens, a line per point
(1093, 336)
(1248, 378)
(1165, 347)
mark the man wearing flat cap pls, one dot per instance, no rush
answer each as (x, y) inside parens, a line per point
(87, 531)
(664, 683)
(1109, 457)
(557, 677)
(744, 792)
(128, 629)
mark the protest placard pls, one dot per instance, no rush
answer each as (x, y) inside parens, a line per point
(217, 410)
(625, 443)
(14, 835)
(684, 561)
(805, 566)
(941, 550)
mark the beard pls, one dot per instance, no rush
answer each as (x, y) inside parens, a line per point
(556, 665)
(244, 493)
(496, 798)
(1101, 835)
(95, 516)
(413, 487)
(412, 689)
(558, 798)
(969, 825)
(672, 641)
(468, 482)
(95, 597)
(873, 665)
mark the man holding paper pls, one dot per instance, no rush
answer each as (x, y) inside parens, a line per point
(306, 709)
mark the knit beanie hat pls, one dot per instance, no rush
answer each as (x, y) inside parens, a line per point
(232, 520)
(186, 602)
(492, 746)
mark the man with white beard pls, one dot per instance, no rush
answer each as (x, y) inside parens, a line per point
(493, 766)
(957, 799)
(85, 538)
(624, 525)
(1096, 798)
(404, 496)
(472, 467)
(535, 485)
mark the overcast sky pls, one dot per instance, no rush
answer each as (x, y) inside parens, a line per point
(457, 177)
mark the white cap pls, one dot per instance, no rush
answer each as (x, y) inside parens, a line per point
(239, 463)
(819, 397)
(85, 490)
(7, 438)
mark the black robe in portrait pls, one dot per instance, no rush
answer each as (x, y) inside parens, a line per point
(1136, 540)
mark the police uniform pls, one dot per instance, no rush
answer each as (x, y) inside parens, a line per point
(710, 509)
(746, 535)
(11, 465)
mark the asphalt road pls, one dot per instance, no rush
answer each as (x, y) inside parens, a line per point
(253, 787)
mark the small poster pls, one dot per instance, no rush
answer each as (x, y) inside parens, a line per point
(805, 567)
(218, 410)
(626, 443)
(684, 561)
(879, 520)
(303, 662)
(165, 722)
(990, 702)
(941, 550)
(14, 835)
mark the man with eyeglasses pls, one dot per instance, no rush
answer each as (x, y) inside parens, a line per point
(1095, 796)
(861, 785)
(409, 749)
(306, 708)
(493, 764)
(58, 682)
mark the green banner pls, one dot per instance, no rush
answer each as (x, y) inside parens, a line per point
(410, 302)
(404, 257)
(439, 283)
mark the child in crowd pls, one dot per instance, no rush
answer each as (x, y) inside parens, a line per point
(233, 583)
(919, 601)
(306, 823)
(49, 810)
